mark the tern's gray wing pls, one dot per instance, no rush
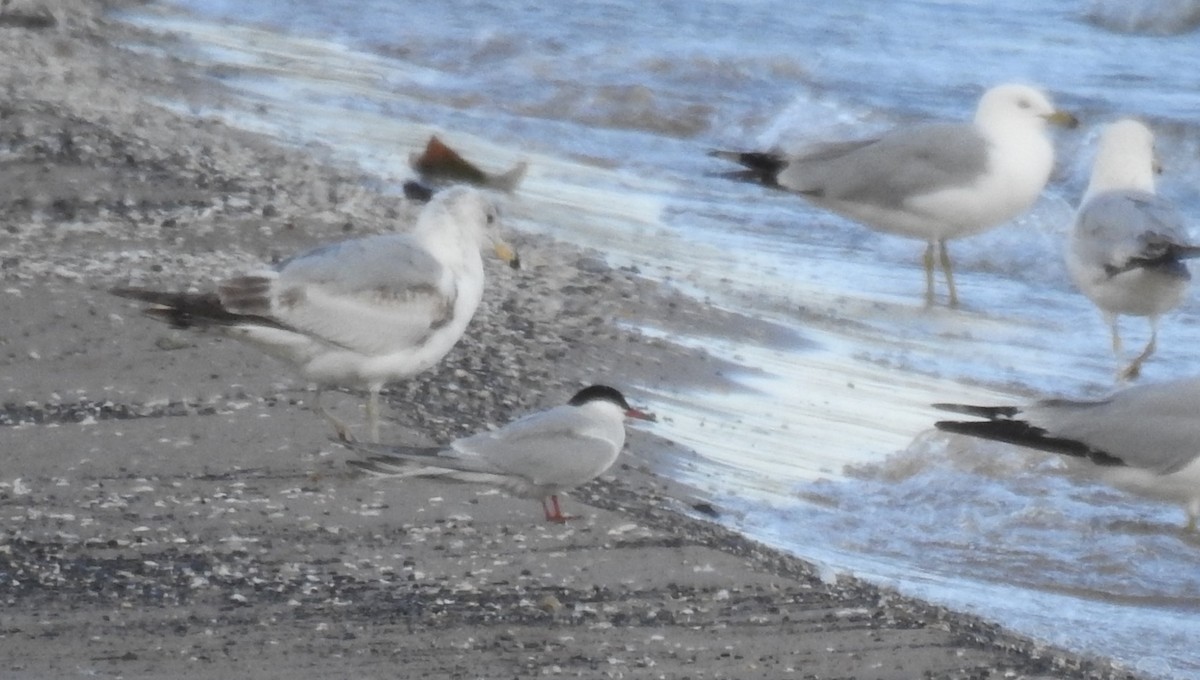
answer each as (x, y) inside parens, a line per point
(368, 295)
(1152, 427)
(1117, 229)
(419, 461)
(561, 445)
(892, 169)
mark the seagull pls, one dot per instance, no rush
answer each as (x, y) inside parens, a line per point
(1127, 244)
(932, 182)
(1144, 439)
(538, 456)
(361, 312)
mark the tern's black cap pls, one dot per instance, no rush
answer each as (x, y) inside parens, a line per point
(599, 393)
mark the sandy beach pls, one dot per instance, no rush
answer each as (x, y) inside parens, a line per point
(172, 508)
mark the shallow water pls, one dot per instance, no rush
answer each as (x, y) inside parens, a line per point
(827, 451)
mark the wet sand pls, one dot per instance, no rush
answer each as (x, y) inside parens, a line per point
(173, 509)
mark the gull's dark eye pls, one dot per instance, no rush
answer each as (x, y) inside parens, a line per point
(1024, 103)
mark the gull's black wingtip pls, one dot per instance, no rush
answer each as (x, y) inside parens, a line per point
(990, 412)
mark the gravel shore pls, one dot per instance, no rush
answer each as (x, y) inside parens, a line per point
(172, 508)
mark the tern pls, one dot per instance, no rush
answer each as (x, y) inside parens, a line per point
(538, 456)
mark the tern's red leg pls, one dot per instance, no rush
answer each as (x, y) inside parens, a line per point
(557, 515)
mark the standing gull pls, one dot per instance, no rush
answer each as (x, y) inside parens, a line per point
(362, 312)
(538, 456)
(933, 182)
(1127, 244)
(1143, 439)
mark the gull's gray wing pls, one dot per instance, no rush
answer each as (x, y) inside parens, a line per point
(1120, 230)
(368, 295)
(392, 261)
(1152, 427)
(890, 170)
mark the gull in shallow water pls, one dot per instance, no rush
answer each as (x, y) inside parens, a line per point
(1127, 245)
(358, 313)
(538, 456)
(933, 182)
(1144, 439)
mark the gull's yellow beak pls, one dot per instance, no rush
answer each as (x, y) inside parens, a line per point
(1063, 118)
(505, 252)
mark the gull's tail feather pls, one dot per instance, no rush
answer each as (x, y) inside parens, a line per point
(1185, 252)
(760, 167)
(247, 295)
(992, 412)
(1022, 433)
(195, 310)
(181, 310)
(1168, 256)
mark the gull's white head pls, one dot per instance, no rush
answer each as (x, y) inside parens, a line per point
(1015, 105)
(1125, 158)
(467, 216)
